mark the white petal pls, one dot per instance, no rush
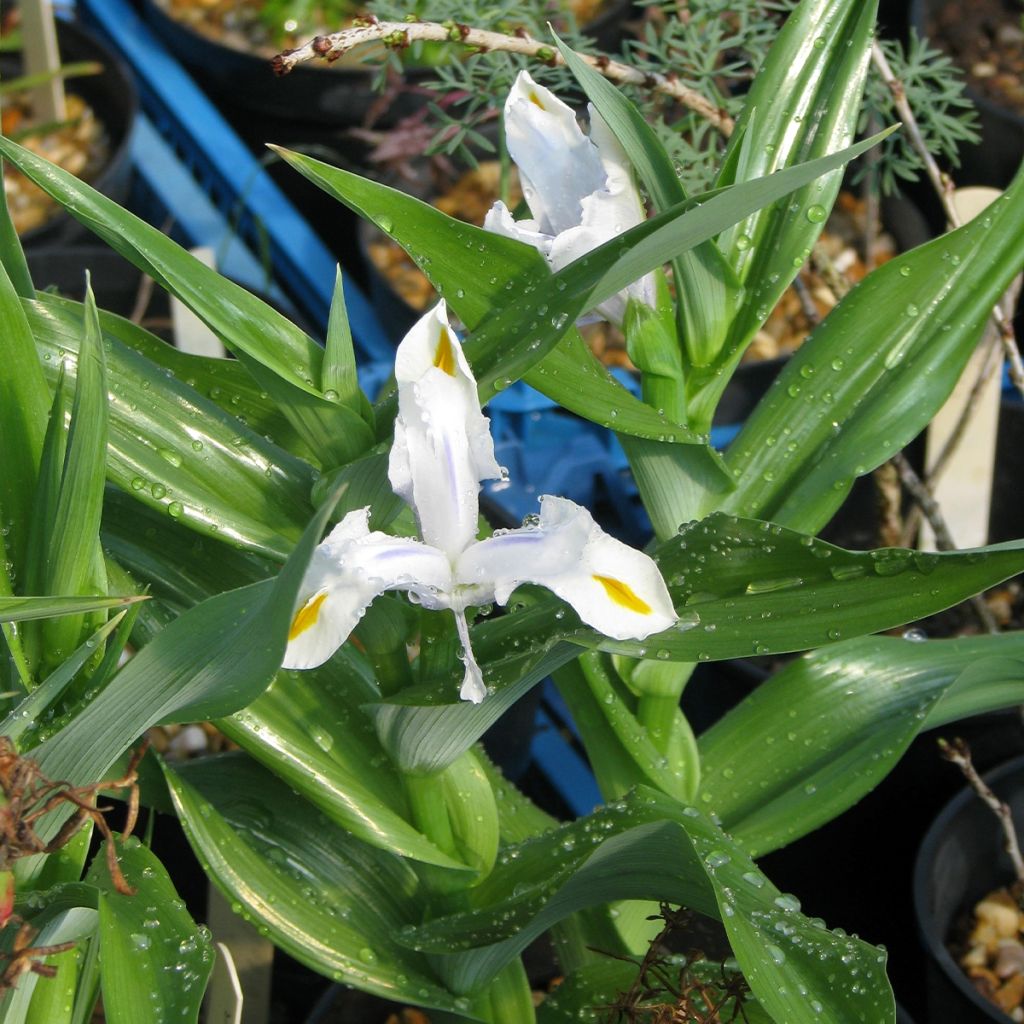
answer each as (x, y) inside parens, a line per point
(558, 165)
(499, 221)
(613, 587)
(347, 571)
(442, 447)
(606, 213)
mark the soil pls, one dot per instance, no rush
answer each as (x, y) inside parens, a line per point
(78, 145)
(989, 948)
(985, 38)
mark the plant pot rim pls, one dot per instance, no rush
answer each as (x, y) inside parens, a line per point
(934, 943)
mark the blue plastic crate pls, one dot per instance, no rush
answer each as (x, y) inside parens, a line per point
(194, 136)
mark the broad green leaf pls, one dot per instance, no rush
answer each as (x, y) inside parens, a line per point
(243, 322)
(324, 897)
(875, 371)
(773, 778)
(361, 483)
(31, 710)
(154, 960)
(53, 1002)
(24, 409)
(212, 660)
(224, 381)
(473, 812)
(799, 971)
(426, 728)
(333, 432)
(707, 285)
(72, 541)
(174, 449)
(745, 587)
(19, 609)
(178, 568)
(308, 730)
(66, 920)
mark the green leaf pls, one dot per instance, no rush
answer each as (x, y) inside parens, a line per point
(72, 542)
(71, 919)
(325, 898)
(861, 703)
(795, 967)
(333, 432)
(308, 730)
(31, 710)
(170, 446)
(155, 961)
(243, 322)
(24, 408)
(875, 371)
(12, 256)
(338, 379)
(744, 587)
(569, 374)
(555, 300)
(20, 609)
(804, 103)
(212, 660)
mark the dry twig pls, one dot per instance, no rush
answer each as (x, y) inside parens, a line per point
(943, 539)
(944, 188)
(960, 754)
(397, 35)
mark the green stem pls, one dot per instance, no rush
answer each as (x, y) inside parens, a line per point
(657, 713)
(510, 998)
(429, 813)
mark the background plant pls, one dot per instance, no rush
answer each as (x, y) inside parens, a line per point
(408, 866)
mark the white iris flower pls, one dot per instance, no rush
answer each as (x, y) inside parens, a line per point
(580, 190)
(441, 452)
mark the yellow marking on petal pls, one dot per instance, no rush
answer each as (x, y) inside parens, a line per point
(535, 100)
(623, 594)
(444, 358)
(306, 617)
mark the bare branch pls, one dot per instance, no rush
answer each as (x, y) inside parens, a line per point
(960, 754)
(943, 539)
(944, 188)
(397, 35)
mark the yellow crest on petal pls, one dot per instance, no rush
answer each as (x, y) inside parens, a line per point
(535, 100)
(444, 358)
(306, 617)
(623, 594)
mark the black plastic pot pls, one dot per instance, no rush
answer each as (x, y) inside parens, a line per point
(961, 860)
(115, 102)
(995, 160)
(115, 284)
(338, 95)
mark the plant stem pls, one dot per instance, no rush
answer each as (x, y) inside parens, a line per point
(504, 162)
(429, 813)
(656, 713)
(510, 997)
(399, 34)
